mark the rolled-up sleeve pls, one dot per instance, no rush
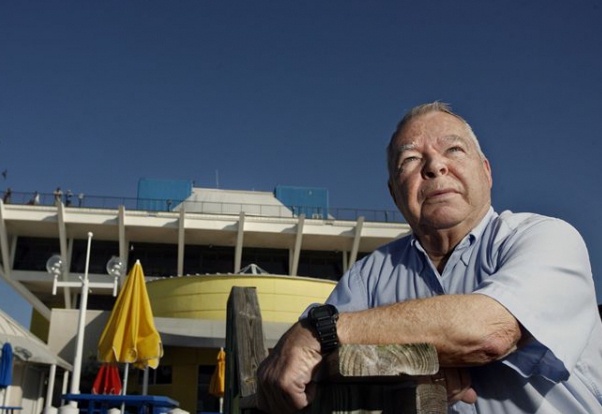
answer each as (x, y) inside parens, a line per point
(350, 293)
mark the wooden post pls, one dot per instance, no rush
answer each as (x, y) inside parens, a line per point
(245, 348)
(358, 379)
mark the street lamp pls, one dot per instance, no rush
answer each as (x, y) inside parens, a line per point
(55, 267)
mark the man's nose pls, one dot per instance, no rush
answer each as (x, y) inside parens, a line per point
(434, 166)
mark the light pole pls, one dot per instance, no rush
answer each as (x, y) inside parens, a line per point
(56, 266)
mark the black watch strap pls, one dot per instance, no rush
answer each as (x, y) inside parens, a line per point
(324, 321)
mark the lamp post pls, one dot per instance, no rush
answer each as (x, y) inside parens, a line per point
(56, 266)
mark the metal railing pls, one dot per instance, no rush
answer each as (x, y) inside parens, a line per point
(205, 207)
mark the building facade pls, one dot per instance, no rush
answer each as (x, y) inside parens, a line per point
(194, 244)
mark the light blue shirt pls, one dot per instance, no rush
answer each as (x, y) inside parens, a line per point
(538, 268)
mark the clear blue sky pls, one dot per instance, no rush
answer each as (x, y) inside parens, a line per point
(97, 94)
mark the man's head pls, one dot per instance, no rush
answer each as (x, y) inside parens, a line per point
(438, 175)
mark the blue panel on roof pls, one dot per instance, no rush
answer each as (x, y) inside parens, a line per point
(313, 202)
(162, 195)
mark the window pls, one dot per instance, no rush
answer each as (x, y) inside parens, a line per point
(321, 264)
(101, 252)
(208, 259)
(274, 261)
(206, 402)
(33, 252)
(159, 376)
(156, 259)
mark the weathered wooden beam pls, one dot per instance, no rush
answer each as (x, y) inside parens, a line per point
(245, 345)
(379, 379)
(357, 360)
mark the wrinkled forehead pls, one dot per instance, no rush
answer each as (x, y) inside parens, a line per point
(433, 126)
(445, 140)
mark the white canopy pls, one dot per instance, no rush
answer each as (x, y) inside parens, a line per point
(26, 346)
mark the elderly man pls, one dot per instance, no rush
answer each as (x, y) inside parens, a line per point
(507, 299)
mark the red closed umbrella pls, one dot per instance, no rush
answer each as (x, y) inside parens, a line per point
(107, 380)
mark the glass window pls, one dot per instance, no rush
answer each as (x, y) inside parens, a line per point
(160, 376)
(206, 402)
(101, 252)
(274, 261)
(156, 259)
(33, 252)
(321, 264)
(208, 259)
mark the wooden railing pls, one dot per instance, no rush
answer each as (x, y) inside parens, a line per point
(358, 379)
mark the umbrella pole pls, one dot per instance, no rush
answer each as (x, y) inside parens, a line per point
(125, 385)
(6, 396)
(145, 381)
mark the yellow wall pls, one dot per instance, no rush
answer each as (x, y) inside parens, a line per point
(39, 325)
(281, 298)
(185, 365)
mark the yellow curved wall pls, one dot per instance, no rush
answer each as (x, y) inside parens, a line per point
(281, 298)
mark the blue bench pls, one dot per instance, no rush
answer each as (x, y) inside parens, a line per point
(143, 404)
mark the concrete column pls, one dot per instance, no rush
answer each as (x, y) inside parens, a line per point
(64, 253)
(239, 242)
(181, 240)
(297, 248)
(356, 240)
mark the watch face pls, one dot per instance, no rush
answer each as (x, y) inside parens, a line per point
(322, 312)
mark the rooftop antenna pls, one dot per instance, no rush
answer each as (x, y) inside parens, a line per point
(216, 178)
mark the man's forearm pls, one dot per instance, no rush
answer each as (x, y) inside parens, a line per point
(466, 329)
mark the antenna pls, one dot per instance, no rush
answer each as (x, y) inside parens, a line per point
(216, 178)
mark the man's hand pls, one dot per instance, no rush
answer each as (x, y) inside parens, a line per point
(284, 377)
(458, 384)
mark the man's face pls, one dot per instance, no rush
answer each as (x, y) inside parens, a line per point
(439, 180)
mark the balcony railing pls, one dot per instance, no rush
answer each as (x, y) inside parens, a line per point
(205, 207)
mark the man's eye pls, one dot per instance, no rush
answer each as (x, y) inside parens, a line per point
(407, 160)
(455, 149)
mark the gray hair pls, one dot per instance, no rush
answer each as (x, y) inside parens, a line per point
(416, 112)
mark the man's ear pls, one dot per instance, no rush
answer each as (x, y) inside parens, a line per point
(487, 168)
(391, 191)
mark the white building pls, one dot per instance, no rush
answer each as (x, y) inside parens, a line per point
(192, 243)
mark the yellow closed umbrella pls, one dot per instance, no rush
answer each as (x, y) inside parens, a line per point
(217, 386)
(130, 336)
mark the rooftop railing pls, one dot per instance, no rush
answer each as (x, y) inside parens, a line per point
(205, 207)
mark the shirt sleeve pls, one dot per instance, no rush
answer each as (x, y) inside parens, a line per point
(350, 294)
(544, 279)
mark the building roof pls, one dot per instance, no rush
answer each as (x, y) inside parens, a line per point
(26, 346)
(218, 201)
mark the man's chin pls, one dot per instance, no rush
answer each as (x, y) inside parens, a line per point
(441, 220)
(440, 224)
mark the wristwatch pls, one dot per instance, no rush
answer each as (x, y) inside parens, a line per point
(324, 321)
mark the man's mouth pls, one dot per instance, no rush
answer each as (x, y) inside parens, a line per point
(439, 195)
